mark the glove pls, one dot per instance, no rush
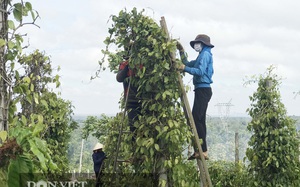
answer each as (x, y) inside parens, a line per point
(180, 67)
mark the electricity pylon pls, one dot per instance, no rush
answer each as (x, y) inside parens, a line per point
(224, 111)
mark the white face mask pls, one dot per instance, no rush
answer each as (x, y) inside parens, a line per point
(198, 47)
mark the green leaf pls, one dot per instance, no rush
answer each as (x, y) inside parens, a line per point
(31, 87)
(36, 98)
(176, 123)
(11, 24)
(32, 15)
(167, 66)
(156, 146)
(153, 120)
(38, 128)
(43, 102)
(40, 119)
(28, 6)
(53, 166)
(13, 173)
(151, 152)
(41, 144)
(20, 165)
(170, 123)
(17, 14)
(24, 120)
(35, 150)
(29, 98)
(3, 178)
(27, 79)
(3, 135)
(2, 42)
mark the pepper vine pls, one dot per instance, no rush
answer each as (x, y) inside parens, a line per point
(274, 146)
(162, 133)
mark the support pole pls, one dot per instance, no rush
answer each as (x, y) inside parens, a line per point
(201, 163)
(237, 148)
(81, 153)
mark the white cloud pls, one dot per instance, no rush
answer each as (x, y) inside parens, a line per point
(248, 36)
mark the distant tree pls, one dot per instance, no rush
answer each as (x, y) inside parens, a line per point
(35, 122)
(96, 127)
(74, 151)
(274, 147)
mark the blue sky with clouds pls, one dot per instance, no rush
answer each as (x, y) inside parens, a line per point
(249, 36)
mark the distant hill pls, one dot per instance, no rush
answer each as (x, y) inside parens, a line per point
(220, 138)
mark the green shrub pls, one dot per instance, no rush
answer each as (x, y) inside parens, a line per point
(226, 173)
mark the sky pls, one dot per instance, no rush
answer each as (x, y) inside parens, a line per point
(249, 37)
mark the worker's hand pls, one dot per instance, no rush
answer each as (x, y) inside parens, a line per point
(179, 46)
(180, 67)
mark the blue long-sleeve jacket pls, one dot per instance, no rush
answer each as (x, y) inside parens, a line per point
(201, 68)
(98, 158)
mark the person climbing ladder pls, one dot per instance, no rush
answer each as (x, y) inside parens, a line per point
(202, 71)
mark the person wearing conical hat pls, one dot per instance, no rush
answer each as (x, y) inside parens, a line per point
(202, 71)
(98, 157)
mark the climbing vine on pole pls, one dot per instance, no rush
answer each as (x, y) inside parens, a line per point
(162, 133)
(35, 123)
(274, 147)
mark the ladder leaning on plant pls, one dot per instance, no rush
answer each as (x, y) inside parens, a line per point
(205, 178)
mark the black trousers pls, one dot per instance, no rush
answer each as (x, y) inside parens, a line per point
(202, 97)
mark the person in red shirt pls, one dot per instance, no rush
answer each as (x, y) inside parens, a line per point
(132, 104)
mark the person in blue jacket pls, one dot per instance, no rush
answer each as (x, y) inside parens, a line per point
(98, 158)
(202, 71)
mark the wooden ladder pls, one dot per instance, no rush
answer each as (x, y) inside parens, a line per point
(205, 178)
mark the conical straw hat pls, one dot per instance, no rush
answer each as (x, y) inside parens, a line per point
(98, 146)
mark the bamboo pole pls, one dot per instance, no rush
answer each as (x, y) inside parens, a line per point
(189, 114)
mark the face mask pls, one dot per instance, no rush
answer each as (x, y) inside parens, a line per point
(198, 47)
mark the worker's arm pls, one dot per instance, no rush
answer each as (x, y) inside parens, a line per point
(122, 74)
(200, 70)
